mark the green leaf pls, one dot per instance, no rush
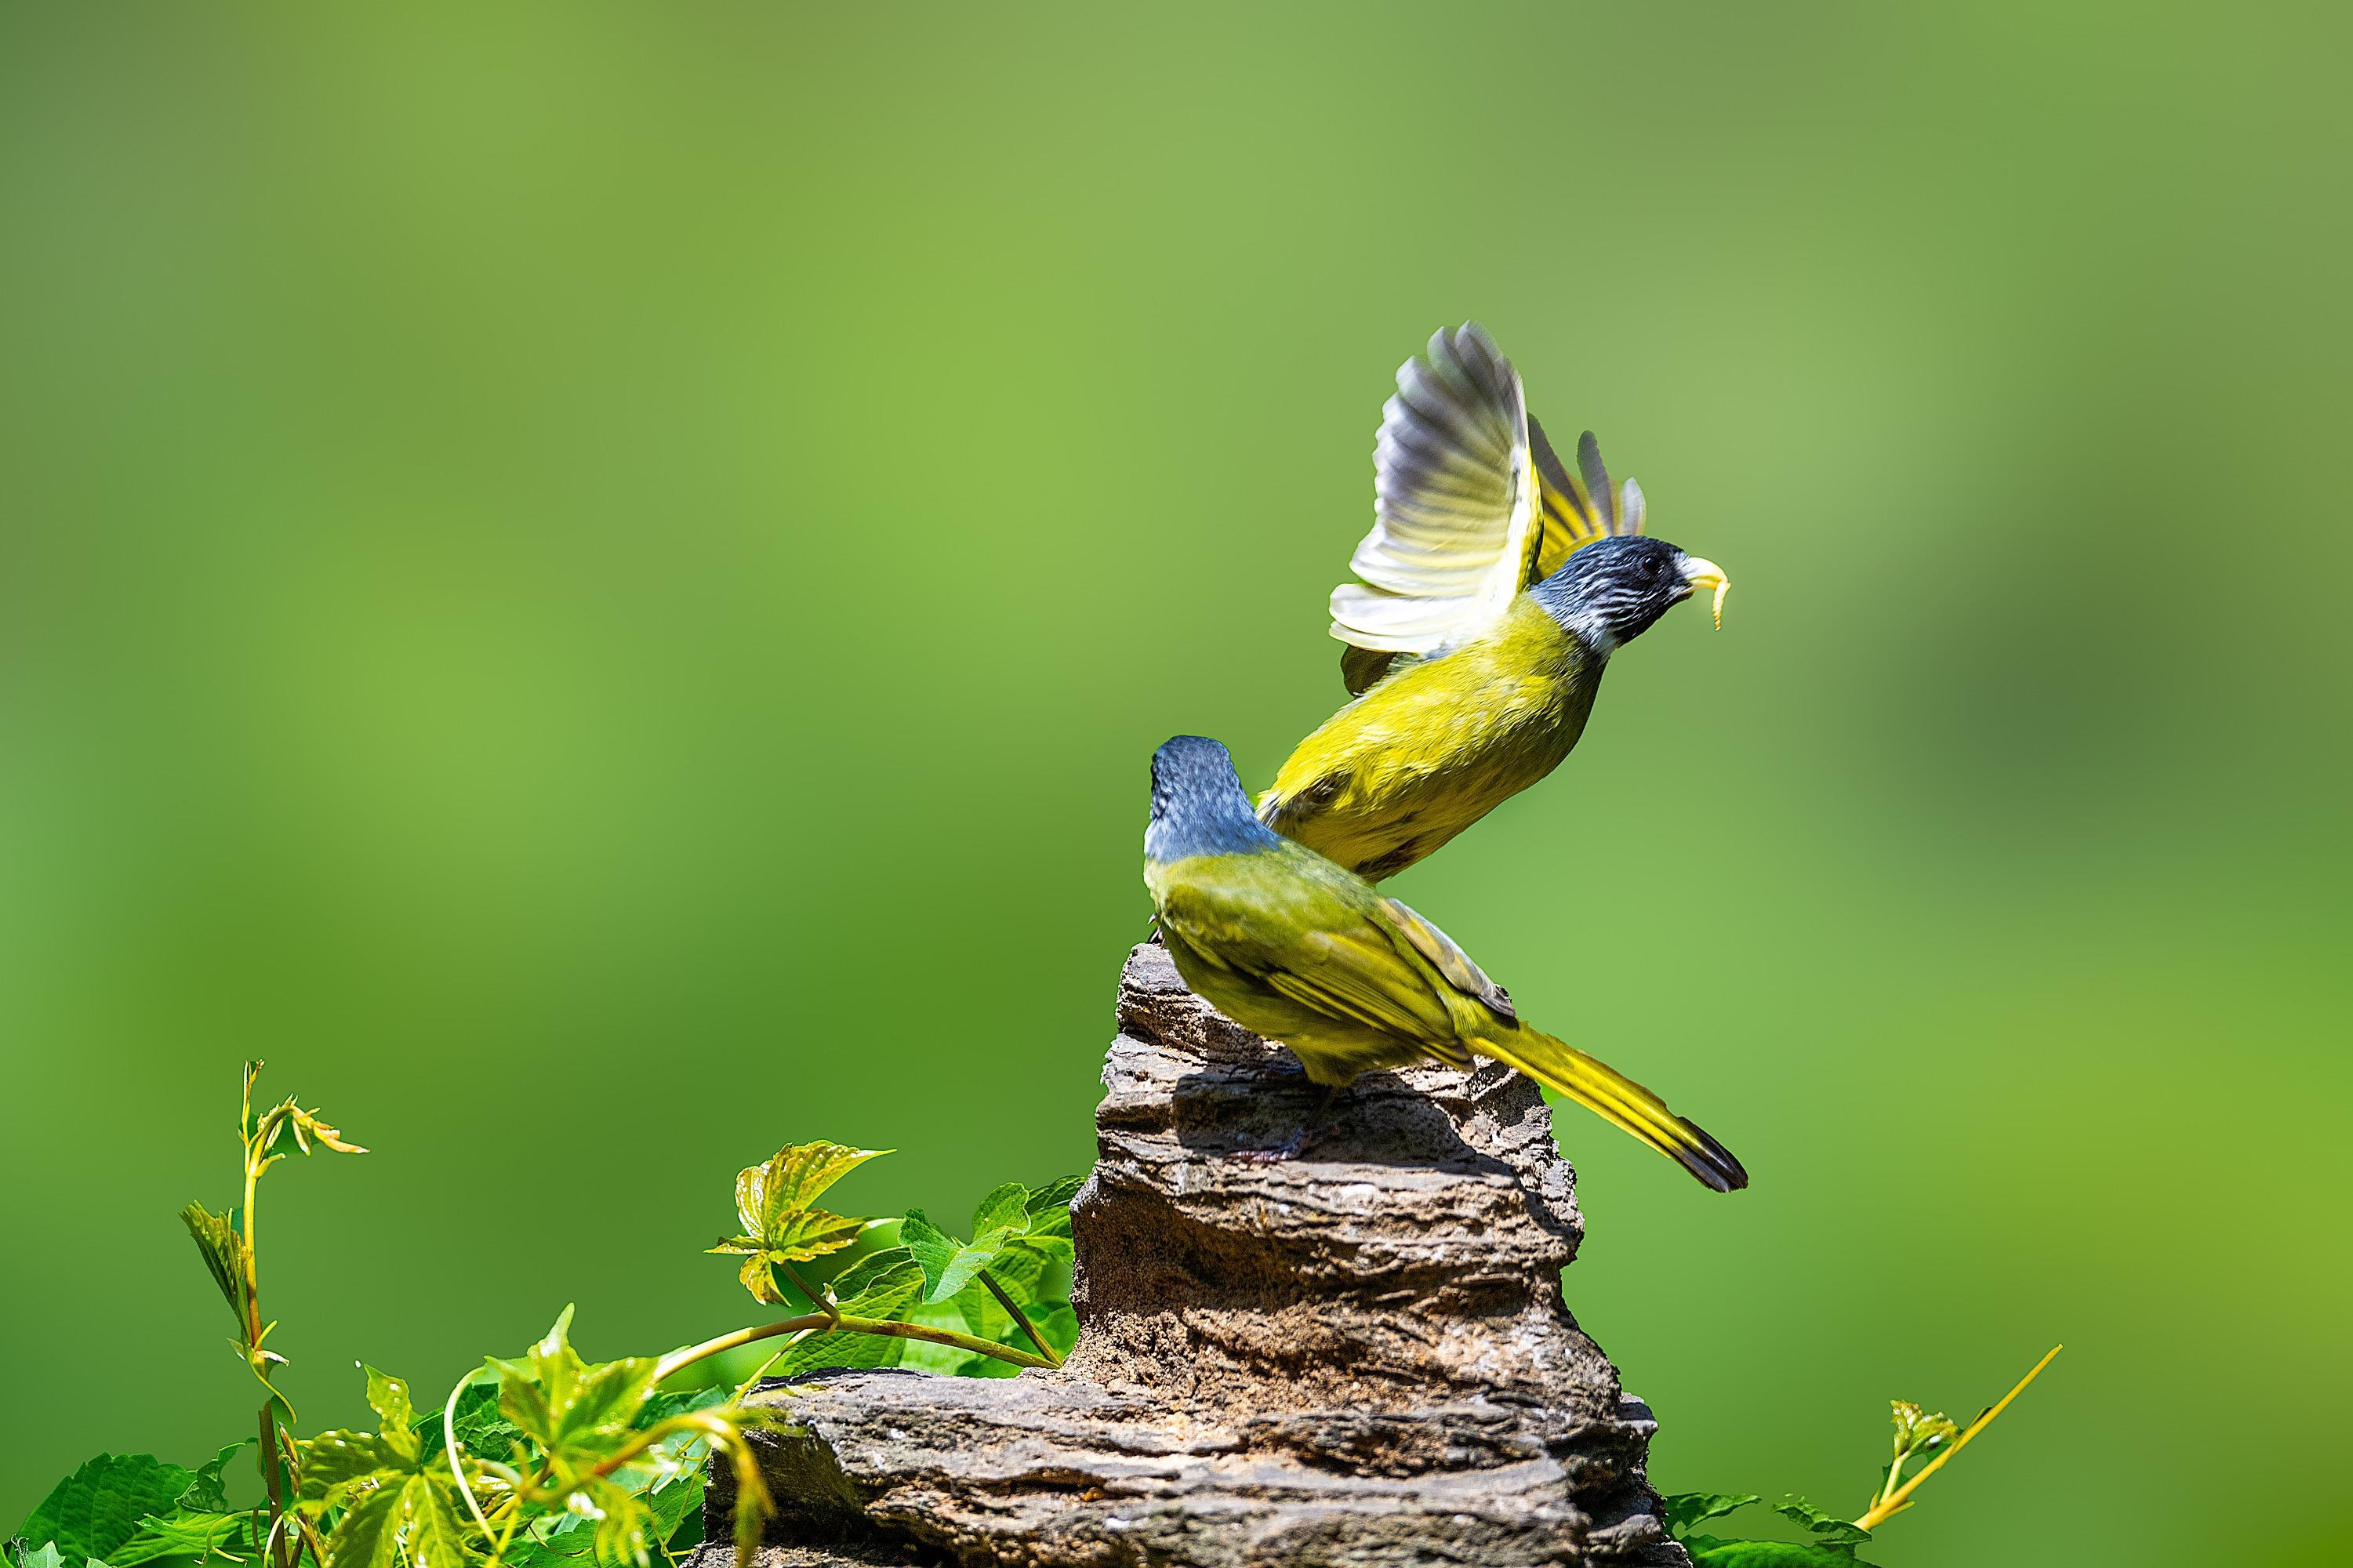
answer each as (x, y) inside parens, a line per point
(1834, 1531)
(408, 1505)
(885, 1286)
(677, 1508)
(1917, 1431)
(208, 1493)
(1055, 1251)
(99, 1506)
(882, 1286)
(822, 1352)
(948, 1265)
(481, 1430)
(660, 1407)
(1049, 1206)
(45, 1557)
(333, 1463)
(368, 1536)
(575, 1411)
(435, 1533)
(799, 1237)
(790, 1180)
(772, 1200)
(1707, 1551)
(1684, 1510)
(1057, 1321)
(1021, 1273)
(1006, 1208)
(184, 1534)
(388, 1397)
(224, 1254)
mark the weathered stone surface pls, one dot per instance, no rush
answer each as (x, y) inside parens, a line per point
(1359, 1355)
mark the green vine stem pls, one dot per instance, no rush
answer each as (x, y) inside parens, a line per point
(821, 1299)
(844, 1323)
(1052, 1356)
(450, 1450)
(829, 1318)
(1897, 1501)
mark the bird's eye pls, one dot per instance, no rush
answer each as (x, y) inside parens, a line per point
(1649, 571)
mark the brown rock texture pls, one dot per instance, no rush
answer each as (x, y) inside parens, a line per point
(1358, 1355)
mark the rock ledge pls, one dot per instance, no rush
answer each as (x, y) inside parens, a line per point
(1357, 1356)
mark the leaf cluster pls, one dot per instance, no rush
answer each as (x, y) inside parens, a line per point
(775, 1202)
(1917, 1432)
(1832, 1546)
(123, 1510)
(968, 1301)
(385, 1496)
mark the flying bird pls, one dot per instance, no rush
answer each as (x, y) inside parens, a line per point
(1303, 950)
(1495, 586)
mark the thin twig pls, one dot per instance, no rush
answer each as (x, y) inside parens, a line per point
(1895, 1502)
(1021, 1317)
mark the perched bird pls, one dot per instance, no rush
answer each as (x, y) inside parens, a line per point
(1287, 943)
(1496, 585)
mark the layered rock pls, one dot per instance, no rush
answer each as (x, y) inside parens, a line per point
(1356, 1355)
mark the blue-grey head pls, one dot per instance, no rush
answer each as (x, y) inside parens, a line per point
(1609, 592)
(1198, 804)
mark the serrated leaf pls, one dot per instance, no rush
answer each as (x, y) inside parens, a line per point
(575, 1411)
(1006, 1208)
(1834, 1531)
(826, 1351)
(884, 1286)
(223, 1251)
(335, 1462)
(1707, 1551)
(758, 1276)
(434, 1533)
(624, 1525)
(482, 1431)
(368, 1534)
(1684, 1510)
(184, 1534)
(677, 1508)
(388, 1397)
(100, 1505)
(790, 1180)
(660, 1407)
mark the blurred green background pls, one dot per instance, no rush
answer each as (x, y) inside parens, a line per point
(595, 584)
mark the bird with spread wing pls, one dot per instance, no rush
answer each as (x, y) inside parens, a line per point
(1494, 586)
(1287, 943)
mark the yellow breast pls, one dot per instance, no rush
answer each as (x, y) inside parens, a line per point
(1434, 748)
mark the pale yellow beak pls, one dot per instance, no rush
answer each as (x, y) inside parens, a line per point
(1701, 573)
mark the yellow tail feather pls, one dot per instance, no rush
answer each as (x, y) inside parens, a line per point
(1608, 1093)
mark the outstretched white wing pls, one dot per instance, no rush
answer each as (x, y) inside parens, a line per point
(1454, 501)
(1470, 505)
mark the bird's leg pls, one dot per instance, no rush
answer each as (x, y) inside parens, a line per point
(1294, 1146)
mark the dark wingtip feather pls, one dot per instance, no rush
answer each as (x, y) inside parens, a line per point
(1710, 1161)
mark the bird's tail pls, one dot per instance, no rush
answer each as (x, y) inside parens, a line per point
(1604, 1090)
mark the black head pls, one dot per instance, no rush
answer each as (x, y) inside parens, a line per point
(1198, 804)
(1609, 592)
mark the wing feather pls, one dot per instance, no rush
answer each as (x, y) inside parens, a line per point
(1470, 504)
(1450, 962)
(1454, 501)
